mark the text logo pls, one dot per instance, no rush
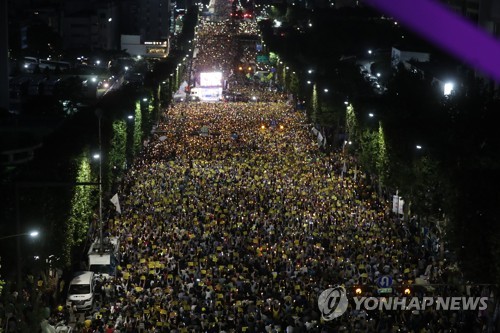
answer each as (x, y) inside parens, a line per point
(332, 303)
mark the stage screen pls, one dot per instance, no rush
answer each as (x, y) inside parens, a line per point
(212, 94)
(211, 79)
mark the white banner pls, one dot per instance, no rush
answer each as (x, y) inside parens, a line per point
(397, 204)
(115, 201)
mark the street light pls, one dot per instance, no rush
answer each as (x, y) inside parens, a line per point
(371, 115)
(369, 51)
(448, 88)
(32, 234)
(310, 71)
(325, 90)
(99, 116)
(418, 147)
(130, 117)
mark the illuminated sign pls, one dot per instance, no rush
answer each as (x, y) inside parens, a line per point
(211, 79)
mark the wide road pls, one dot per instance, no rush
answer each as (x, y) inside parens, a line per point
(235, 221)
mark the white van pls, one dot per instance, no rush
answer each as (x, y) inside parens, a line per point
(81, 291)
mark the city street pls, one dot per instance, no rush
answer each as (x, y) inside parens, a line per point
(235, 221)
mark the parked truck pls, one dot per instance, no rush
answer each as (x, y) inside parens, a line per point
(104, 259)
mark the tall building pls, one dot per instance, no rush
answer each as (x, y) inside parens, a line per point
(485, 13)
(91, 25)
(148, 18)
(154, 19)
(145, 27)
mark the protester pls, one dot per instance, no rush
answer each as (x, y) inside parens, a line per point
(236, 222)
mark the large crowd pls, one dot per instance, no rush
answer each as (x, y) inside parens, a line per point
(236, 221)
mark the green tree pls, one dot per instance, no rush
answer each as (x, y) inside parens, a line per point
(82, 206)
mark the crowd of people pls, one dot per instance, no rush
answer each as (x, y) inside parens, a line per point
(235, 221)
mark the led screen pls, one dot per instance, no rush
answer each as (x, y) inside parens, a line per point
(212, 79)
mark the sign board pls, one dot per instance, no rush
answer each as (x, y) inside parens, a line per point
(397, 204)
(384, 290)
(263, 59)
(384, 281)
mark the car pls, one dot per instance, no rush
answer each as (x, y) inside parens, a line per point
(81, 291)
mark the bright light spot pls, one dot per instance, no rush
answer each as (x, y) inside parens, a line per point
(448, 88)
(139, 57)
(281, 127)
(36, 257)
(263, 127)
(33, 233)
(105, 85)
(144, 99)
(395, 23)
(94, 79)
(310, 24)
(98, 62)
(26, 65)
(407, 291)
(370, 115)
(130, 117)
(254, 98)
(310, 71)
(325, 90)
(346, 102)
(350, 142)
(287, 67)
(378, 74)
(369, 51)
(96, 156)
(358, 291)
(126, 68)
(308, 82)
(277, 23)
(110, 19)
(418, 146)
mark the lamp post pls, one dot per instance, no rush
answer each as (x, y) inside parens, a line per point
(99, 157)
(32, 234)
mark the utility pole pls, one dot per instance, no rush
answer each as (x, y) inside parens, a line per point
(101, 247)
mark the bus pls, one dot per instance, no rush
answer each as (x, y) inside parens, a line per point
(53, 64)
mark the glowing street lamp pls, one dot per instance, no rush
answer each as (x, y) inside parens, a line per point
(32, 234)
(418, 147)
(448, 88)
(325, 90)
(371, 115)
